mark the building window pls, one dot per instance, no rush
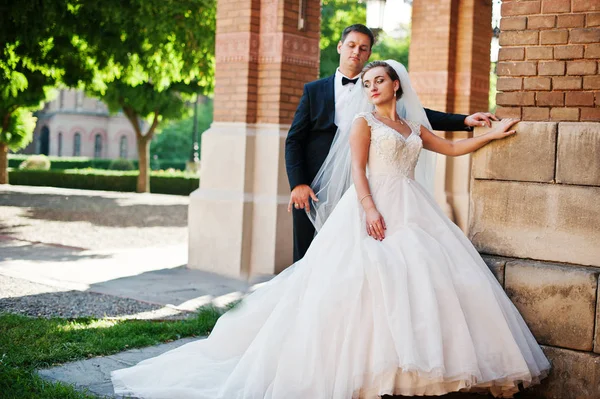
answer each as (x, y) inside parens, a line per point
(98, 146)
(62, 99)
(123, 147)
(77, 145)
(59, 144)
(79, 99)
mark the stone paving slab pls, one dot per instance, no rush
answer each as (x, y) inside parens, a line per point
(94, 374)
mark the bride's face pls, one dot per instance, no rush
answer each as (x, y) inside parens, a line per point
(379, 86)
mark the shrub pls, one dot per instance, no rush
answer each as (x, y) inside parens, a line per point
(121, 164)
(35, 162)
(177, 183)
(62, 163)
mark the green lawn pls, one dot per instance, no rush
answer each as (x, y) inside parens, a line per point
(27, 344)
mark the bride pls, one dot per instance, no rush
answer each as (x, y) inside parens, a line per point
(390, 299)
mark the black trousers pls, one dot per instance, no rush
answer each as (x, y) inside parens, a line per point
(304, 232)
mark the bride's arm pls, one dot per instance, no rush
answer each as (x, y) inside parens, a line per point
(437, 144)
(360, 141)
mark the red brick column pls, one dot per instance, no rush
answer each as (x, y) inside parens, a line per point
(236, 74)
(288, 57)
(548, 64)
(263, 59)
(450, 66)
(265, 51)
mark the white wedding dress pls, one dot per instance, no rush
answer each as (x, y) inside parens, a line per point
(418, 313)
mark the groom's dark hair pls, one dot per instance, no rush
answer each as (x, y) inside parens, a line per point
(360, 28)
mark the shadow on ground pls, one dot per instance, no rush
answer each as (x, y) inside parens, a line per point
(104, 210)
(16, 250)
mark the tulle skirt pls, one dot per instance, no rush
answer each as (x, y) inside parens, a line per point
(418, 313)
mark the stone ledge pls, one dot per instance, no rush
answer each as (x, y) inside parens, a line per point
(558, 302)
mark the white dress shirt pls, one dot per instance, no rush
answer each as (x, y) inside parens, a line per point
(341, 93)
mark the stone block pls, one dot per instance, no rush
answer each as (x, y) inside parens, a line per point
(574, 375)
(496, 265)
(238, 220)
(578, 160)
(552, 222)
(511, 158)
(543, 291)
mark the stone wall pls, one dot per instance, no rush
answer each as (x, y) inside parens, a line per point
(535, 212)
(535, 197)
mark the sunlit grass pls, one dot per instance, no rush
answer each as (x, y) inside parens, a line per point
(27, 344)
(75, 325)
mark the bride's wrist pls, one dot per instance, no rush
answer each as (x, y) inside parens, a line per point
(368, 207)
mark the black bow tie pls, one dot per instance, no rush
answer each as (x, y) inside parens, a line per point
(345, 81)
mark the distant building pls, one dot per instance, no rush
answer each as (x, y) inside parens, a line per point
(75, 125)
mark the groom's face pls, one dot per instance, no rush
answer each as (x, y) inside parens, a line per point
(354, 53)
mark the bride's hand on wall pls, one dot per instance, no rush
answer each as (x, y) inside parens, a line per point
(503, 129)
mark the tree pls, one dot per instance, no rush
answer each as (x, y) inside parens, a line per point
(335, 16)
(21, 90)
(144, 101)
(34, 57)
(175, 139)
(149, 50)
(387, 48)
(174, 63)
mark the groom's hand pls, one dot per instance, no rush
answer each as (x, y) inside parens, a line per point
(299, 197)
(480, 119)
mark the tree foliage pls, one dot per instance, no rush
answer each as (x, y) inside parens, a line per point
(175, 139)
(145, 57)
(387, 48)
(335, 16)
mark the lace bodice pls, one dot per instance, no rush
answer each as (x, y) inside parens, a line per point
(390, 152)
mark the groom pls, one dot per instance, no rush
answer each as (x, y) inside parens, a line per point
(316, 120)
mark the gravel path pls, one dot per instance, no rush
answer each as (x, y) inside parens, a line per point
(32, 299)
(92, 219)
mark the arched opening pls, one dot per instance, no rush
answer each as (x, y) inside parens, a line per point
(123, 147)
(45, 141)
(77, 145)
(60, 144)
(98, 146)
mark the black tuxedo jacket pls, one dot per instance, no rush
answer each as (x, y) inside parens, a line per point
(313, 128)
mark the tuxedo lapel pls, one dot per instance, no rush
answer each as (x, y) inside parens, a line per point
(329, 98)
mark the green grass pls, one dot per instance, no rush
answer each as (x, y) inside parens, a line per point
(27, 344)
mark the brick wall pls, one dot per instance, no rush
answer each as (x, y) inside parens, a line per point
(264, 59)
(548, 66)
